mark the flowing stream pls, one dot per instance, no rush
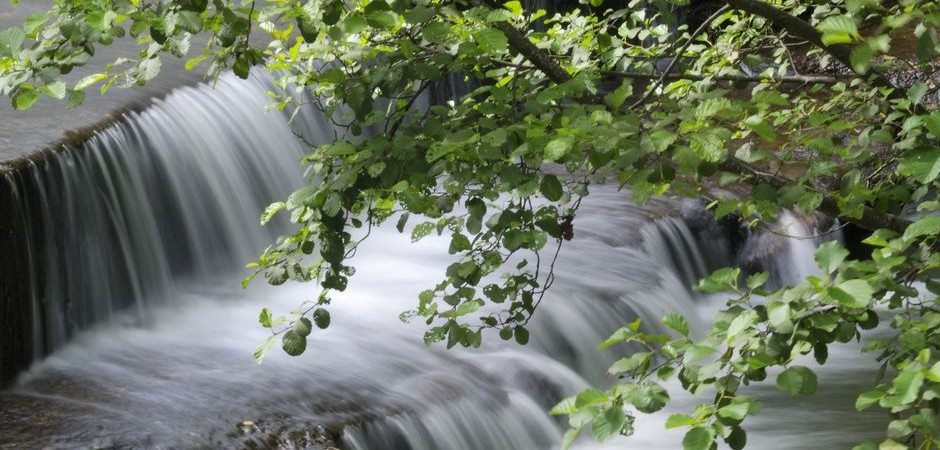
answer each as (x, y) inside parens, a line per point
(138, 238)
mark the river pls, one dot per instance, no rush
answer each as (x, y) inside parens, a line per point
(140, 236)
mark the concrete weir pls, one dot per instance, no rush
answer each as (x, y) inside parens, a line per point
(20, 275)
(106, 224)
(15, 310)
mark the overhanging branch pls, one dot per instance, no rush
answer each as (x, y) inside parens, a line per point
(519, 42)
(733, 77)
(802, 29)
(869, 220)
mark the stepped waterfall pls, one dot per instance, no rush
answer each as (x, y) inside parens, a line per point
(121, 301)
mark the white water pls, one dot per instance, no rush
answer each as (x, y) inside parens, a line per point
(145, 231)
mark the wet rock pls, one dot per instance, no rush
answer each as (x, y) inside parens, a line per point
(282, 432)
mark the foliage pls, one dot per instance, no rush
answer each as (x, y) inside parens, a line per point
(558, 101)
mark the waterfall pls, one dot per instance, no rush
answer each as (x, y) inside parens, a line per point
(128, 253)
(116, 222)
(786, 249)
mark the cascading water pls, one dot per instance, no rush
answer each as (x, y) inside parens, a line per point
(169, 193)
(785, 250)
(150, 219)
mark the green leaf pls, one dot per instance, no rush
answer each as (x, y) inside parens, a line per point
(293, 344)
(932, 122)
(757, 280)
(821, 352)
(922, 164)
(462, 309)
(557, 148)
(262, 349)
(619, 95)
(590, 396)
(195, 61)
(436, 32)
(933, 374)
(778, 316)
(382, 19)
(632, 362)
(566, 406)
(276, 275)
(662, 139)
(491, 40)
(679, 420)
(264, 318)
(852, 293)
(880, 238)
(763, 129)
(738, 408)
(189, 21)
(916, 93)
(829, 255)
(698, 438)
(677, 323)
(421, 231)
(891, 444)
(838, 30)
(860, 57)
(505, 333)
(725, 279)
(797, 380)
(737, 439)
(189, 5)
(302, 327)
(33, 22)
(100, 20)
(11, 41)
(927, 46)
(869, 398)
(697, 352)
(740, 324)
(241, 68)
(55, 90)
(570, 436)
(621, 335)
(750, 154)
(907, 386)
(926, 226)
(89, 80)
(419, 14)
(551, 188)
(270, 211)
(608, 425)
(514, 7)
(321, 317)
(25, 99)
(522, 335)
(649, 398)
(75, 98)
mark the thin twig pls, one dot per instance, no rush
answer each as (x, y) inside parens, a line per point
(675, 59)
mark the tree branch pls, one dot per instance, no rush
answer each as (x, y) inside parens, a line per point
(806, 31)
(808, 78)
(520, 43)
(801, 79)
(542, 61)
(675, 59)
(870, 219)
